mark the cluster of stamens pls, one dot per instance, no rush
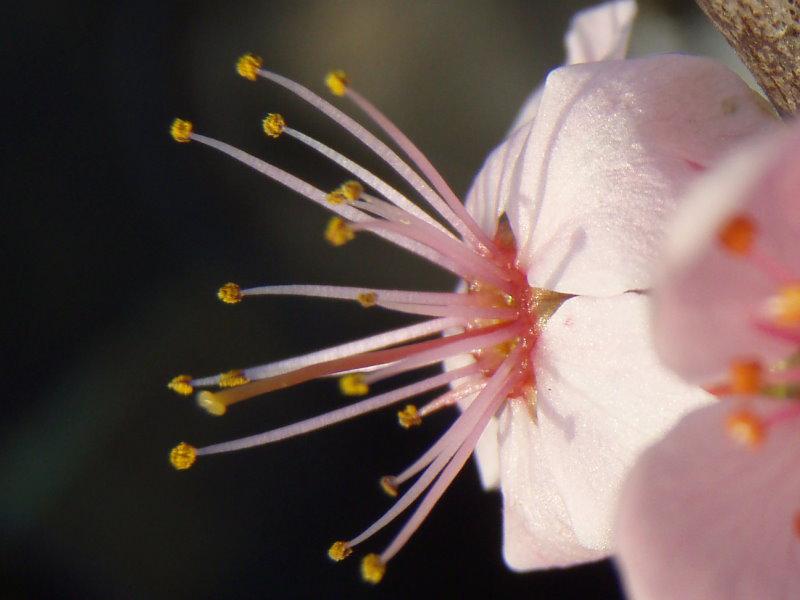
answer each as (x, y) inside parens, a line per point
(779, 316)
(496, 319)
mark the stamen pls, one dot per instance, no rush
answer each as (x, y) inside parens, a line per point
(422, 163)
(746, 428)
(182, 456)
(738, 234)
(409, 417)
(337, 82)
(353, 384)
(357, 347)
(181, 131)
(338, 415)
(785, 306)
(230, 293)
(338, 233)
(419, 354)
(389, 485)
(233, 379)
(273, 125)
(339, 551)
(372, 568)
(746, 377)
(367, 299)
(248, 65)
(182, 384)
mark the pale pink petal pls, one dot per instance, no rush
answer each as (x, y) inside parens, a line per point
(598, 33)
(602, 398)
(707, 297)
(589, 184)
(703, 517)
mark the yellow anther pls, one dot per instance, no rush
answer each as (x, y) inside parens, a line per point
(182, 384)
(409, 417)
(248, 65)
(352, 190)
(273, 125)
(337, 82)
(209, 402)
(182, 456)
(336, 197)
(746, 428)
(372, 568)
(339, 551)
(232, 379)
(367, 299)
(389, 485)
(746, 377)
(338, 233)
(230, 293)
(786, 305)
(738, 235)
(181, 130)
(353, 385)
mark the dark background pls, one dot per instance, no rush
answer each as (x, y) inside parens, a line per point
(116, 240)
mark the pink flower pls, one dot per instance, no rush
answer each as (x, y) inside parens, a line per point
(550, 331)
(713, 510)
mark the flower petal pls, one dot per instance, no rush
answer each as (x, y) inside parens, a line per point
(706, 297)
(602, 397)
(589, 184)
(598, 33)
(701, 516)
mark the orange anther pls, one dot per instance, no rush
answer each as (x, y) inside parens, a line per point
(745, 377)
(745, 427)
(738, 234)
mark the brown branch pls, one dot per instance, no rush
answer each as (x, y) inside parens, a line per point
(766, 36)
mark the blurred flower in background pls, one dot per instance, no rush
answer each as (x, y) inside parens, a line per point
(116, 233)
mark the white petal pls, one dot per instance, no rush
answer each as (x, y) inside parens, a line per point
(602, 397)
(612, 148)
(704, 517)
(598, 33)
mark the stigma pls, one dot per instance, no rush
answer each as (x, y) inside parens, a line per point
(496, 320)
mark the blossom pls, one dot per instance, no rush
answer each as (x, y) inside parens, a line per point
(713, 510)
(547, 339)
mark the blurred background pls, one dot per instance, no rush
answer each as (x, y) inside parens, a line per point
(117, 238)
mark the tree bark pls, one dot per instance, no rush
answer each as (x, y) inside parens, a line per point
(766, 36)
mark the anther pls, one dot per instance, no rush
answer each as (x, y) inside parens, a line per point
(337, 82)
(230, 293)
(181, 130)
(353, 384)
(409, 417)
(339, 551)
(273, 125)
(232, 379)
(372, 568)
(248, 65)
(209, 402)
(367, 299)
(786, 305)
(336, 197)
(746, 377)
(352, 190)
(182, 456)
(182, 384)
(745, 427)
(338, 233)
(738, 235)
(389, 485)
